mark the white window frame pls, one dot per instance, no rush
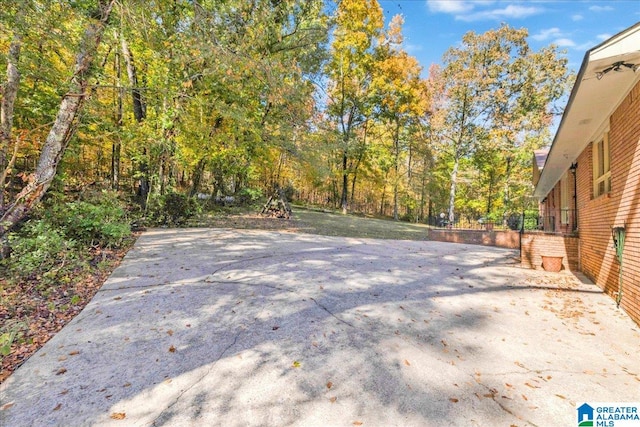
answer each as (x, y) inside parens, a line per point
(601, 166)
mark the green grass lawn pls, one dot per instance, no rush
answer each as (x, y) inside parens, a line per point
(335, 224)
(314, 222)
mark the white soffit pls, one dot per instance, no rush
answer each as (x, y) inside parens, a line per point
(591, 103)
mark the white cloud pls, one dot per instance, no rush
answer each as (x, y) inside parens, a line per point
(547, 34)
(412, 48)
(577, 17)
(511, 11)
(450, 6)
(568, 43)
(481, 10)
(564, 42)
(596, 8)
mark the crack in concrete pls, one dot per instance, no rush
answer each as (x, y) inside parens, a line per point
(196, 382)
(331, 313)
(492, 393)
(203, 376)
(213, 364)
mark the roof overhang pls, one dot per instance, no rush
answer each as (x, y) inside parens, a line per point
(539, 158)
(594, 97)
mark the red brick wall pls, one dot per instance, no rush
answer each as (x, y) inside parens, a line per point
(535, 245)
(621, 207)
(504, 239)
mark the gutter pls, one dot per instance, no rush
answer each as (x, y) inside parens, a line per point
(565, 113)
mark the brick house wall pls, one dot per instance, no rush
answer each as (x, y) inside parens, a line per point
(620, 207)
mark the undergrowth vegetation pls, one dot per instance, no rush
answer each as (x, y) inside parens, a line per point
(59, 236)
(53, 263)
(171, 209)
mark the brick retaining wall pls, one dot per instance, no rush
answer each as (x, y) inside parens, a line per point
(504, 239)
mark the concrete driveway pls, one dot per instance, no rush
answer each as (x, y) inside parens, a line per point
(243, 328)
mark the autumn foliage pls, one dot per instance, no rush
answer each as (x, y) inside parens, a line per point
(169, 102)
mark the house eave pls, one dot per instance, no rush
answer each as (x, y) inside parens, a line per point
(593, 99)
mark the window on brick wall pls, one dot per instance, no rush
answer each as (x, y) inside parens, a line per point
(601, 166)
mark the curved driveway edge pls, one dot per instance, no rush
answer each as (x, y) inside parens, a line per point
(242, 328)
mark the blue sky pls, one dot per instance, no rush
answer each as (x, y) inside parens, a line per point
(432, 26)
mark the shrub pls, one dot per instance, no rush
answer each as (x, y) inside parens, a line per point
(172, 209)
(101, 221)
(40, 248)
(55, 241)
(531, 219)
(179, 207)
(249, 195)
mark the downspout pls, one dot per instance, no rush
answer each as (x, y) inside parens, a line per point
(618, 234)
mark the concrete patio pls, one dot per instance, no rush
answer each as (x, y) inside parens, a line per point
(243, 328)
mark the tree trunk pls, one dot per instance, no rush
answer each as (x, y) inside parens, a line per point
(353, 186)
(139, 113)
(116, 147)
(197, 177)
(452, 191)
(490, 196)
(63, 126)
(218, 183)
(9, 94)
(116, 150)
(276, 180)
(139, 108)
(333, 199)
(355, 176)
(396, 161)
(423, 186)
(345, 183)
(361, 153)
(507, 196)
(384, 193)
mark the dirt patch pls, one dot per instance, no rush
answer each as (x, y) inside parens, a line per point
(250, 221)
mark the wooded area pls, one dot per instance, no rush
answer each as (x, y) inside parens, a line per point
(237, 98)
